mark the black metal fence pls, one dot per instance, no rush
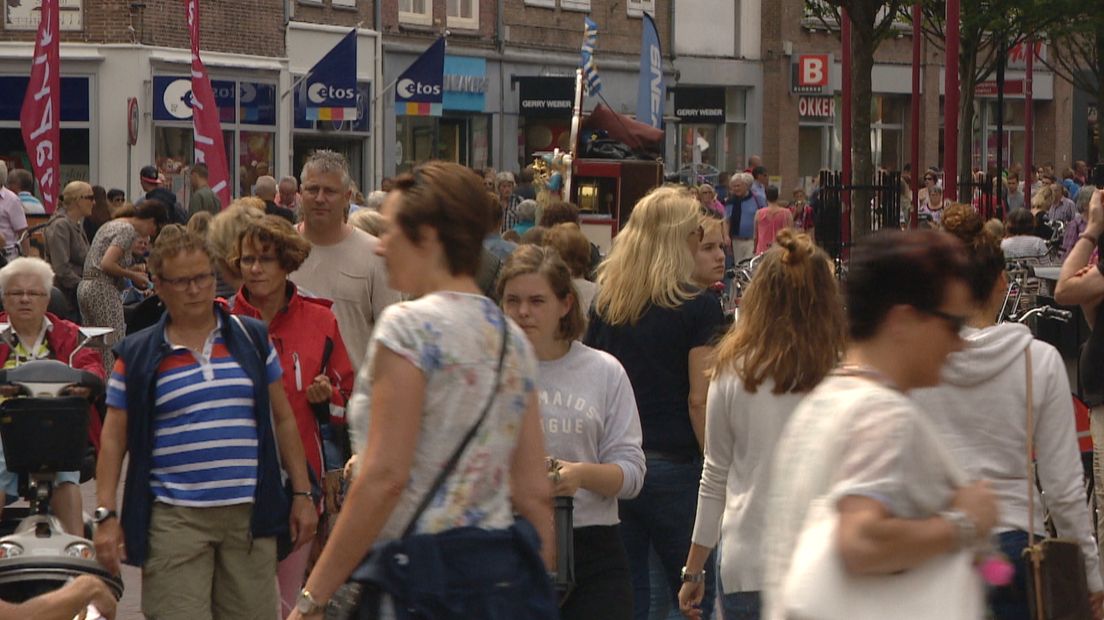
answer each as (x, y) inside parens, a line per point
(881, 199)
(983, 192)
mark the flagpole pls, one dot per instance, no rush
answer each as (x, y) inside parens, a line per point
(576, 121)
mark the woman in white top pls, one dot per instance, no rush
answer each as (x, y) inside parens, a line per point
(429, 372)
(758, 378)
(1022, 242)
(589, 417)
(980, 411)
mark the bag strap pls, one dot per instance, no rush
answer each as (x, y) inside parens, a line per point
(245, 330)
(455, 459)
(1032, 551)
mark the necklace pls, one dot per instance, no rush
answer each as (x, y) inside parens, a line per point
(863, 371)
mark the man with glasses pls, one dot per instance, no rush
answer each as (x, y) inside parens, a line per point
(66, 245)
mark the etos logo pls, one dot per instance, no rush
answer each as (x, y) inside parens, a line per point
(320, 93)
(407, 88)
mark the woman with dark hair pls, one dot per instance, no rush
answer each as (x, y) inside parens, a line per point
(590, 423)
(435, 367)
(758, 378)
(650, 316)
(861, 450)
(304, 331)
(101, 212)
(574, 248)
(109, 264)
(980, 413)
(1021, 241)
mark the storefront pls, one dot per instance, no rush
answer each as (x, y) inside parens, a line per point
(76, 127)
(545, 106)
(700, 113)
(462, 133)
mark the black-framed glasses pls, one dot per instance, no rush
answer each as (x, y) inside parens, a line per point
(955, 322)
(201, 281)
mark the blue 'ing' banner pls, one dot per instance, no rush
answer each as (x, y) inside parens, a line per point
(331, 83)
(651, 95)
(423, 80)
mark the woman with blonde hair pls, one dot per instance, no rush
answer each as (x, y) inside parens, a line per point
(709, 258)
(758, 378)
(371, 222)
(658, 324)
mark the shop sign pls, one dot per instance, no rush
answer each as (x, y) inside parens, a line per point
(24, 15)
(1017, 55)
(74, 98)
(989, 89)
(363, 116)
(465, 83)
(547, 97)
(810, 73)
(172, 98)
(700, 105)
(816, 108)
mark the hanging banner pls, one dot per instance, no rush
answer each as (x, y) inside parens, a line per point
(332, 85)
(207, 131)
(650, 94)
(420, 89)
(40, 116)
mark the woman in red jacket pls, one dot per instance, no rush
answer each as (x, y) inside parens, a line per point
(317, 371)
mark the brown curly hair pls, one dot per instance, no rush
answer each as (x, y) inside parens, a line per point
(272, 231)
(792, 327)
(983, 250)
(173, 240)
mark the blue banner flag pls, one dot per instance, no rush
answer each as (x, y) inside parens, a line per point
(331, 83)
(590, 70)
(420, 89)
(650, 96)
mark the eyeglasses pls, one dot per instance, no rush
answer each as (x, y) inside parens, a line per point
(16, 294)
(956, 323)
(266, 260)
(201, 281)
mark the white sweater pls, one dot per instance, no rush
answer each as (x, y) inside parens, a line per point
(980, 411)
(741, 431)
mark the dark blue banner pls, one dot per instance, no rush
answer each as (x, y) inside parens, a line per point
(331, 82)
(172, 98)
(650, 96)
(420, 90)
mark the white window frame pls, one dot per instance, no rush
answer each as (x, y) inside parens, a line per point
(467, 23)
(637, 8)
(418, 19)
(576, 5)
(544, 4)
(344, 4)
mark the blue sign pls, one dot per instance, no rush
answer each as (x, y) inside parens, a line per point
(360, 125)
(465, 83)
(172, 98)
(331, 82)
(420, 89)
(74, 98)
(257, 103)
(650, 96)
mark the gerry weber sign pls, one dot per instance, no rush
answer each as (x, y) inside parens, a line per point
(700, 105)
(549, 97)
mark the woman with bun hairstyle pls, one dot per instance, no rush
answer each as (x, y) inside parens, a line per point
(661, 327)
(980, 412)
(590, 423)
(758, 378)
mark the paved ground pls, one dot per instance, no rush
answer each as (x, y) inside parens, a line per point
(130, 607)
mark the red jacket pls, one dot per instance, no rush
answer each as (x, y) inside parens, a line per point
(62, 339)
(299, 333)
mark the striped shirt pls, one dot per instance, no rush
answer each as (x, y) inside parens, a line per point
(205, 430)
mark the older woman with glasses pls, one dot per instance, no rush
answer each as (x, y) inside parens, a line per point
(304, 330)
(66, 243)
(37, 334)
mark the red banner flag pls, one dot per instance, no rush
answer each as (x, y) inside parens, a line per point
(209, 148)
(40, 116)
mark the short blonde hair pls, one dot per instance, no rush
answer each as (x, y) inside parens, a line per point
(371, 222)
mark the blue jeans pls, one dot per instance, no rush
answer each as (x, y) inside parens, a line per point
(741, 606)
(662, 518)
(1010, 602)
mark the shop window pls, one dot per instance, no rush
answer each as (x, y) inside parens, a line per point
(637, 8)
(418, 12)
(463, 14)
(461, 138)
(734, 149)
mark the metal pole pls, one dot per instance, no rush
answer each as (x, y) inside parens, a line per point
(576, 121)
(1002, 56)
(914, 150)
(1029, 121)
(951, 104)
(845, 130)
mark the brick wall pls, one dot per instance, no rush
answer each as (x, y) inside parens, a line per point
(483, 36)
(557, 29)
(239, 26)
(325, 12)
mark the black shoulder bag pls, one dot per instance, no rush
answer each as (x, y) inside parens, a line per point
(461, 573)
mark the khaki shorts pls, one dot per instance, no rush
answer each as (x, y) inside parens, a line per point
(204, 564)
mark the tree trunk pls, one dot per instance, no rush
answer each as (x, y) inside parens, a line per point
(967, 83)
(863, 47)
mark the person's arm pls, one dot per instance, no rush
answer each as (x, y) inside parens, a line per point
(65, 603)
(700, 358)
(1076, 284)
(530, 489)
(111, 264)
(108, 537)
(398, 394)
(304, 518)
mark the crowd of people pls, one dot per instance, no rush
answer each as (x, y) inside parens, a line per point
(313, 388)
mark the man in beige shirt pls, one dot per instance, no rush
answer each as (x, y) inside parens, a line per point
(342, 265)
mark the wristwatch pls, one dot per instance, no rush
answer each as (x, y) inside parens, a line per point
(691, 577)
(103, 514)
(306, 603)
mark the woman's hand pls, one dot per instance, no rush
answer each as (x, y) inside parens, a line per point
(690, 597)
(978, 502)
(568, 479)
(1095, 225)
(320, 390)
(139, 279)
